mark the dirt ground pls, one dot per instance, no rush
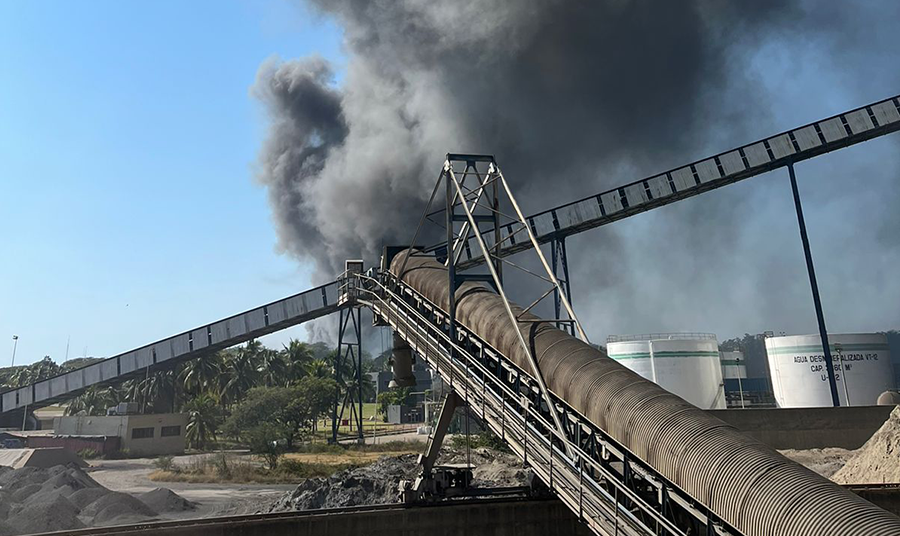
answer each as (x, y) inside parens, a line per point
(133, 476)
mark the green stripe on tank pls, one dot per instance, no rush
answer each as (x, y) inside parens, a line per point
(661, 354)
(731, 362)
(862, 347)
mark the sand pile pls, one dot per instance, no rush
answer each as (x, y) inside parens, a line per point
(65, 498)
(378, 483)
(876, 462)
(825, 461)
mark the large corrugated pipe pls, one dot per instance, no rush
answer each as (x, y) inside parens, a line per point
(401, 364)
(747, 483)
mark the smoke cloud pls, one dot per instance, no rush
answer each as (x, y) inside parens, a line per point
(572, 98)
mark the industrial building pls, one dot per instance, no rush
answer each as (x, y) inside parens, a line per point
(140, 435)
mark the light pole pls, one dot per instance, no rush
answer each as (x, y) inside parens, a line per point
(15, 344)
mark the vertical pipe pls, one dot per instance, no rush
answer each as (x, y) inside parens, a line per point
(823, 333)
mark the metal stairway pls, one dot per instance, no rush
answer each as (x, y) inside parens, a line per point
(611, 491)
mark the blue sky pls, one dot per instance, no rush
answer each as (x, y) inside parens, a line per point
(128, 210)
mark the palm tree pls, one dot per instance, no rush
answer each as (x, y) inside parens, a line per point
(239, 373)
(201, 374)
(94, 401)
(297, 356)
(273, 370)
(157, 392)
(319, 368)
(368, 387)
(202, 421)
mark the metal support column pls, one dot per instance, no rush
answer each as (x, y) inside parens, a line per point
(349, 348)
(823, 333)
(561, 271)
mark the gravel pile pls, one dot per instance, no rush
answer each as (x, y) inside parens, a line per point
(878, 461)
(378, 483)
(65, 498)
(373, 484)
(166, 500)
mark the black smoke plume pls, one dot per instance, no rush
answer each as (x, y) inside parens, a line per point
(571, 97)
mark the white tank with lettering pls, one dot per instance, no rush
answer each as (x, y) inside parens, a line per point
(686, 364)
(862, 369)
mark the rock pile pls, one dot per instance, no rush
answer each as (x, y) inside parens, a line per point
(65, 498)
(372, 484)
(378, 483)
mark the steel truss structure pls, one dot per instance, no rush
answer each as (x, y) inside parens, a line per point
(349, 350)
(611, 491)
(466, 208)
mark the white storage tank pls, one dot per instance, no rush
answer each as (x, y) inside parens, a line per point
(686, 364)
(733, 365)
(862, 365)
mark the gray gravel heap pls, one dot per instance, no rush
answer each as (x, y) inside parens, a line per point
(65, 498)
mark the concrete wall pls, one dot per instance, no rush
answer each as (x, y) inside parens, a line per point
(806, 428)
(91, 425)
(123, 427)
(509, 518)
(101, 444)
(157, 444)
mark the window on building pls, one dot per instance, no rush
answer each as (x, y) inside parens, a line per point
(169, 431)
(142, 433)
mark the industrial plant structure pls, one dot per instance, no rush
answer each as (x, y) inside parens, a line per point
(623, 454)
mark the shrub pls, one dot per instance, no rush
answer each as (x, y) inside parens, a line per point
(165, 463)
(88, 454)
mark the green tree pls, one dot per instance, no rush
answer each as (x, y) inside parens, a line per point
(201, 375)
(203, 414)
(239, 373)
(273, 369)
(291, 410)
(264, 440)
(94, 401)
(156, 392)
(319, 368)
(297, 356)
(392, 397)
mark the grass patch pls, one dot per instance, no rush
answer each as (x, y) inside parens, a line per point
(308, 461)
(226, 468)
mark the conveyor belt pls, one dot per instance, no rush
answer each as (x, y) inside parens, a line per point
(225, 333)
(633, 458)
(803, 143)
